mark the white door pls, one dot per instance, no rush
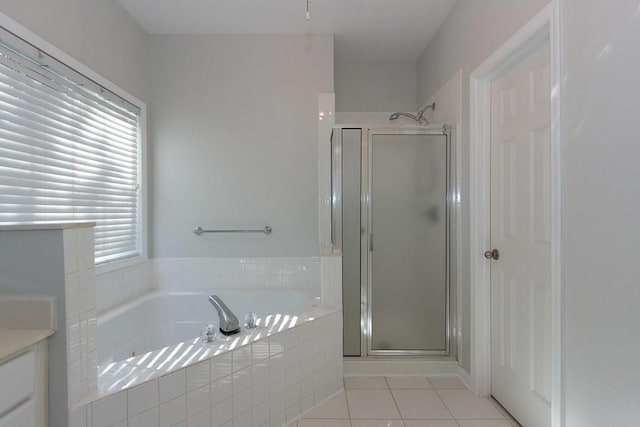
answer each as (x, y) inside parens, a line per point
(521, 231)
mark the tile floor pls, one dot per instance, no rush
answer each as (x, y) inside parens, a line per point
(407, 402)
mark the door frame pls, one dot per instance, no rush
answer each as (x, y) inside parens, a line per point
(545, 26)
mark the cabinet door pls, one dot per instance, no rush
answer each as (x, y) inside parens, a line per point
(23, 416)
(17, 377)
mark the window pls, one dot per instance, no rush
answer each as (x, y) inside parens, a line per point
(69, 150)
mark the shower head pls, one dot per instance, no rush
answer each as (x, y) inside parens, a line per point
(395, 116)
(418, 117)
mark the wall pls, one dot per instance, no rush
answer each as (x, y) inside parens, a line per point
(234, 125)
(472, 31)
(375, 85)
(100, 34)
(601, 210)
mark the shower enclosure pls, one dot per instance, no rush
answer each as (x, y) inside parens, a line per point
(392, 192)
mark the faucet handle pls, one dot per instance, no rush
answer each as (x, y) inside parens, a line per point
(209, 335)
(250, 320)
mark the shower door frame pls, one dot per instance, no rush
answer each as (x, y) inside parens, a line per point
(366, 265)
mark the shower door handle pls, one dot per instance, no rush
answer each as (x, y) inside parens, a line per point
(371, 242)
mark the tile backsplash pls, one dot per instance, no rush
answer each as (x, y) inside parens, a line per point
(197, 274)
(120, 286)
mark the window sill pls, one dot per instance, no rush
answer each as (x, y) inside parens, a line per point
(120, 264)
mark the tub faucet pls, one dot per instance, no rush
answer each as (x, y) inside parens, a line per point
(229, 324)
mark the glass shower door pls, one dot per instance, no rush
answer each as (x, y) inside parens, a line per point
(408, 262)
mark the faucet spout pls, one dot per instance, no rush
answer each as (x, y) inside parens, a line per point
(229, 323)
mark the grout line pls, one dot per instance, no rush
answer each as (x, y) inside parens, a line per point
(447, 408)
(430, 383)
(346, 400)
(503, 411)
(395, 402)
(403, 420)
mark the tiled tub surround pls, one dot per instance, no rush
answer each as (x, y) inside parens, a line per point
(263, 377)
(165, 318)
(80, 312)
(203, 274)
(294, 359)
(194, 274)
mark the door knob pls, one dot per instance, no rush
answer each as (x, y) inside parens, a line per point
(493, 254)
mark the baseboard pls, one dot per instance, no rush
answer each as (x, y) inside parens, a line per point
(464, 377)
(354, 368)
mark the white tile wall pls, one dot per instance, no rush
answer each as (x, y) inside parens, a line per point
(115, 288)
(120, 286)
(81, 313)
(267, 383)
(331, 280)
(197, 274)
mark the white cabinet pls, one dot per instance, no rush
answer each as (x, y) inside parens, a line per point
(23, 388)
(22, 416)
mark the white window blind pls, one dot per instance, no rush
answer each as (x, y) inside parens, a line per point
(69, 151)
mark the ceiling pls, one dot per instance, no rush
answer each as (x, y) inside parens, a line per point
(374, 30)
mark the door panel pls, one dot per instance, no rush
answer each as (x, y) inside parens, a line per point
(408, 284)
(520, 229)
(351, 238)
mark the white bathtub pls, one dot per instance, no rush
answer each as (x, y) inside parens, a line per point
(269, 375)
(161, 319)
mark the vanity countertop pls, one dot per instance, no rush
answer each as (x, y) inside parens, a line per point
(25, 320)
(14, 340)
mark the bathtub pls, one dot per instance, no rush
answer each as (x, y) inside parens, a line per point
(160, 319)
(150, 350)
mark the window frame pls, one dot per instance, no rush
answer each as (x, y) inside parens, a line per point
(21, 32)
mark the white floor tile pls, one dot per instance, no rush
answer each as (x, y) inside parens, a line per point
(367, 383)
(484, 423)
(447, 382)
(504, 412)
(409, 383)
(377, 423)
(465, 405)
(334, 408)
(323, 423)
(372, 404)
(430, 423)
(420, 404)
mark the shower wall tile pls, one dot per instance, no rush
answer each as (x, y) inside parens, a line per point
(331, 280)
